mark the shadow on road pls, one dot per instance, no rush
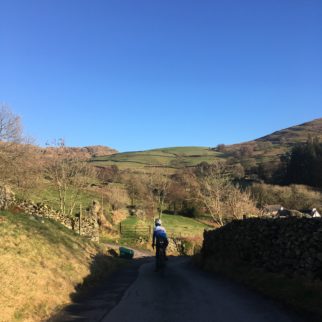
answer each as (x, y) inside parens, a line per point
(136, 293)
(100, 291)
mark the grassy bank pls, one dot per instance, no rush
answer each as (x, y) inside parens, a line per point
(48, 194)
(298, 293)
(42, 264)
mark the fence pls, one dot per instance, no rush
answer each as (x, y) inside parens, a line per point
(144, 232)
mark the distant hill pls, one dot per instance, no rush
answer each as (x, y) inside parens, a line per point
(268, 148)
(165, 157)
(295, 134)
(83, 152)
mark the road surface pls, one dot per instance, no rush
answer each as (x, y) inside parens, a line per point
(186, 294)
(182, 294)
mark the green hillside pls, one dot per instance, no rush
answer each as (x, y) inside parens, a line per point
(175, 157)
(265, 149)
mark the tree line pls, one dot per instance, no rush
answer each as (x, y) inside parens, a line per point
(303, 164)
(205, 189)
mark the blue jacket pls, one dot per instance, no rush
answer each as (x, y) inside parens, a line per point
(159, 235)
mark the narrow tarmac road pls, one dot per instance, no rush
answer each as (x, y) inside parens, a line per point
(187, 294)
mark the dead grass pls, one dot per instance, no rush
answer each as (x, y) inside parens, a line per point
(40, 263)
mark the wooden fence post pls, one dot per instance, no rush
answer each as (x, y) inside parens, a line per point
(80, 218)
(150, 232)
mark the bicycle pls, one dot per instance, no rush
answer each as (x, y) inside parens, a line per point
(161, 257)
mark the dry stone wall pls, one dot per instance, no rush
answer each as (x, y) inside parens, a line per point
(87, 224)
(7, 197)
(292, 246)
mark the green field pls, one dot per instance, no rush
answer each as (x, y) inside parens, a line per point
(49, 195)
(176, 226)
(176, 157)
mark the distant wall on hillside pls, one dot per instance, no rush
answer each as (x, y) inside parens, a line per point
(291, 246)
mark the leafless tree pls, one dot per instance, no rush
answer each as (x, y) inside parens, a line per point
(10, 137)
(10, 126)
(221, 148)
(116, 196)
(216, 192)
(136, 187)
(70, 176)
(108, 174)
(239, 204)
(158, 184)
(18, 161)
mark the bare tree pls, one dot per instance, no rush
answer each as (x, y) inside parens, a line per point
(177, 195)
(210, 190)
(10, 126)
(221, 148)
(158, 184)
(10, 137)
(70, 176)
(136, 187)
(215, 191)
(116, 196)
(18, 160)
(239, 204)
(107, 174)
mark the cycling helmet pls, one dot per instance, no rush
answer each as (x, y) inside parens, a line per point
(158, 222)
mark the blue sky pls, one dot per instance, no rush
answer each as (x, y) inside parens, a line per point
(139, 74)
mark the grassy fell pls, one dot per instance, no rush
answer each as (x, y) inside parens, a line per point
(41, 264)
(178, 157)
(295, 134)
(167, 157)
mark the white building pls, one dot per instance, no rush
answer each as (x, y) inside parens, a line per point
(315, 213)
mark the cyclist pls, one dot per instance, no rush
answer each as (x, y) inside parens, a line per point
(160, 240)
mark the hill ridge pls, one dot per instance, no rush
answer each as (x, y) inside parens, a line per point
(264, 149)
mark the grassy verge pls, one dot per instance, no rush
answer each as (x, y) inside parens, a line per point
(298, 293)
(42, 265)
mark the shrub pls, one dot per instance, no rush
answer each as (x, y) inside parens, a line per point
(297, 197)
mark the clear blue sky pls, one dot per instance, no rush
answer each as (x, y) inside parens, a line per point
(139, 74)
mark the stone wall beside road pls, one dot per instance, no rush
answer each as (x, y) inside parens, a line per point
(291, 246)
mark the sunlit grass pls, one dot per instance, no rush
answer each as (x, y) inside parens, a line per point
(41, 263)
(169, 157)
(175, 225)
